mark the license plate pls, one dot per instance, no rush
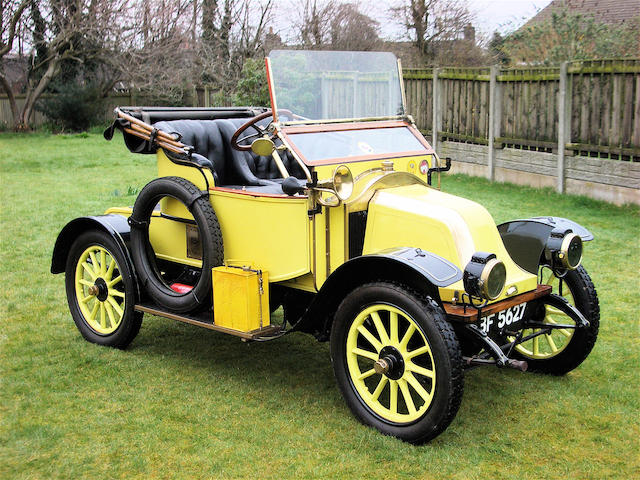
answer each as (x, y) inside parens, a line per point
(503, 319)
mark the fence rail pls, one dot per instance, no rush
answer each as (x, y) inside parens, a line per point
(600, 106)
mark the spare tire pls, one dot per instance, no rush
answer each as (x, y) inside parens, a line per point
(197, 202)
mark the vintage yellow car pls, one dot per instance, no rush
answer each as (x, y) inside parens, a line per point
(324, 205)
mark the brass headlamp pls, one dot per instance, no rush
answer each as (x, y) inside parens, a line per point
(563, 250)
(484, 276)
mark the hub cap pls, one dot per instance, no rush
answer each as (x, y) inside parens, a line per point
(390, 364)
(100, 290)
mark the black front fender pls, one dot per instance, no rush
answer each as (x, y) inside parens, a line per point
(419, 270)
(525, 239)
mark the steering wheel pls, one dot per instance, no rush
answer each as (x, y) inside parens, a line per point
(252, 123)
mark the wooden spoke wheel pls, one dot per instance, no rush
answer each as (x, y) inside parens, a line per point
(397, 361)
(101, 291)
(560, 350)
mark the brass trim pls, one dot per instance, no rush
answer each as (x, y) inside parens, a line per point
(345, 220)
(360, 200)
(381, 367)
(194, 244)
(327, 231)
(402, 94)
(293, 153)
(279, 164)
(314, 247)
(484, 278)
(342, 120)
(564, 251)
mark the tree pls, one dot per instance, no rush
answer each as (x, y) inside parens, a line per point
(351, 29)
(10, 16)
(496, 49)
(157, 60)
(252, 88)
(232, 31)
(572, 36)
(54, 31)
(313, 22)
(430, 22)
(337, 26)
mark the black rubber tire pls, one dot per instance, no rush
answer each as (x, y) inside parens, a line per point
(444, 346)
(142, 252)
(131, 320)
(581, 343)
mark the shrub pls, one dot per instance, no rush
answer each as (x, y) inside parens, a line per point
(252, 87)
(74, 107)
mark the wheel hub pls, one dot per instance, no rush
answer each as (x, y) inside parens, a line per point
(99, 289)
(390, 363)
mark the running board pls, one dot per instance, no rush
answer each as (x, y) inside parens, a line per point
(200, 321)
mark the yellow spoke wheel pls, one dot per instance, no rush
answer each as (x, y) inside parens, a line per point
(397, 361)
(395, 382)
(556, 340)
(561, 350)
(101, 290)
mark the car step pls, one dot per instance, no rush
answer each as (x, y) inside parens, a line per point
(203, 320)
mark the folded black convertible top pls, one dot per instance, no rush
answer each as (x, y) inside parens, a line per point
(152, 115)
(143, 137)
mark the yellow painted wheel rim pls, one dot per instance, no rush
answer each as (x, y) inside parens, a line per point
(403, 400)
(96, 264)
(551, 344)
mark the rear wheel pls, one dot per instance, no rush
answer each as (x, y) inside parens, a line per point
(561, 350)
(101, 291)
(397, 361)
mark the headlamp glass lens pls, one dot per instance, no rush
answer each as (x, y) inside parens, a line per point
(574, 252)
(496, 280)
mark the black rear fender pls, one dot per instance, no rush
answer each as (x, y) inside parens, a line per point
(114, 225)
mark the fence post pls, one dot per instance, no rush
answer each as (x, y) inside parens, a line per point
(437, 111)
(564, 112)
(494, 121)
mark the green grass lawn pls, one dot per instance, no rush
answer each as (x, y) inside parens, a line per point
(183, 402)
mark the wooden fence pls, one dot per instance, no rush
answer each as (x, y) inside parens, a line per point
(505, 107)
(594, 105)
(37, 118)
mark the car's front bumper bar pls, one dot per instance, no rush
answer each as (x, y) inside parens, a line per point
(468, 314)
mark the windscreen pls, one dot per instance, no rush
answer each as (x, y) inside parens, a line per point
(325, 85)
(356, 143)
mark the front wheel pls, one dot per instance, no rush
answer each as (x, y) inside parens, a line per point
(101, 291)
(561, 350)
(397, 361)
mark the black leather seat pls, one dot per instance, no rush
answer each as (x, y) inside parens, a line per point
(204, 136)
(231, 168)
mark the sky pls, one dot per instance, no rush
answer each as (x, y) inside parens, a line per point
(504, 15)
(491, 15)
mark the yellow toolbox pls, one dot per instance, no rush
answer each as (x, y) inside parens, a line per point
(240, 298)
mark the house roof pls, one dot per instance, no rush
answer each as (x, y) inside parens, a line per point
(616, 12)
